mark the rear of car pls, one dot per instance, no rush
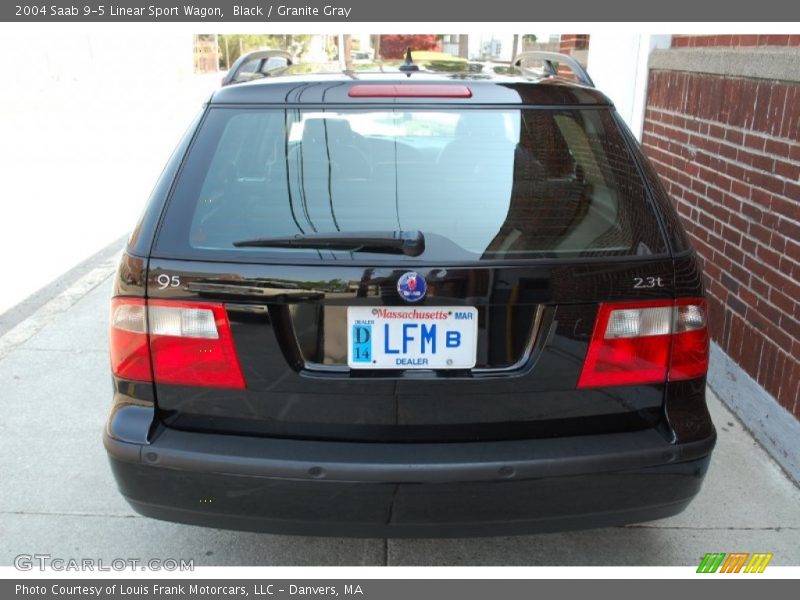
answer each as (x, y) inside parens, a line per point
(407, 307)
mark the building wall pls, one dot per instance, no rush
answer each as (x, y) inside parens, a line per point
(618, 66)
(87, 121)
(722, 127)
(733, 41)
(574, 41)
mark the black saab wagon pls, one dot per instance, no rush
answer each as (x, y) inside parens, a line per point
(409, 303)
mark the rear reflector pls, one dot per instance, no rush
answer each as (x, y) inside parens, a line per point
(409, 91)
(646, 342)
(182, 343)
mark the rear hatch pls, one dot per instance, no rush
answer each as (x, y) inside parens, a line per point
(403, 272)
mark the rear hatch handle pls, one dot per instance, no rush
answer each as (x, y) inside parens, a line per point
(410, 243)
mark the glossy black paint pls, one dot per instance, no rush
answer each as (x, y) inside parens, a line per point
(437, 510)
(534, 327)
(287, 320)
(329, 488)
(332, 90)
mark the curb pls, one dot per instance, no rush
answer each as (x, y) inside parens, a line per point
(25, 309)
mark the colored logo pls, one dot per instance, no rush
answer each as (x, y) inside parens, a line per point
(411, 286)
(736, 562)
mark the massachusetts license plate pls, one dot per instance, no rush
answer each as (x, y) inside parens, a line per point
(411, 337)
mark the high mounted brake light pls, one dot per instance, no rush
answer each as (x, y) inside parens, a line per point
(646, 342)
(179, 343)
(409, 91)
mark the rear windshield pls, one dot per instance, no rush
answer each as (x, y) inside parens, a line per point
(498, 184)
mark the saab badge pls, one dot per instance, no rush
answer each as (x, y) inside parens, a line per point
(411, 286)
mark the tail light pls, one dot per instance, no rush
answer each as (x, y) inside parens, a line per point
(180, 343)
(646, 342)
(130, 356)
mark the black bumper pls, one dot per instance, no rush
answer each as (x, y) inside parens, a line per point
(410, 490)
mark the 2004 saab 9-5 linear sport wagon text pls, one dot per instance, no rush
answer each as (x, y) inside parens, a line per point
(408, 303)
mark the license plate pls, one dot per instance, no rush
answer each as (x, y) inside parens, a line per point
(411, 337)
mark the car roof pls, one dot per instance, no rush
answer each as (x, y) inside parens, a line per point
(517, 87)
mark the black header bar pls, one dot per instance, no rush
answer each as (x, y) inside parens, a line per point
(388, 11)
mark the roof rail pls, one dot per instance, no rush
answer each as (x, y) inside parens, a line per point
(262, 56)
(551, 60)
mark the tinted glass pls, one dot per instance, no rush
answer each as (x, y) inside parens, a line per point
(495, 184)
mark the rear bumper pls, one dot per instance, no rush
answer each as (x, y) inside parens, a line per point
(408, 490)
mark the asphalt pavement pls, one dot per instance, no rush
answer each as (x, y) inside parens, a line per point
(58, 496)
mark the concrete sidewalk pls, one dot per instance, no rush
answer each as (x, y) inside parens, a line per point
(58, 496)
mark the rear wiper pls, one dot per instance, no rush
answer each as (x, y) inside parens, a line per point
(410, 243)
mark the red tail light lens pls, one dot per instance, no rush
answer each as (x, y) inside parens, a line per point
(689, 357)
(646, 342)
(189, 343)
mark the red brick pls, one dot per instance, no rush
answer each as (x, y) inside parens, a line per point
(729, 152)
(735, 336)
(777, 242)
(770, 257)
(771, 330)
(751, 351)
(758, 232)
(755, 142)
(791, 190)
(789, 229)
(790, 389)
(737, 270)
(738, 188)
(737, 222)
(759, 161)
(760, 287)
(790, 325)
(787, 170)
(734, 137)
(773, 184)
(769, 312)
(782, 364)
(789, 209)
(756, 267)
(723, 40)
(782, 302)
(792, 249)
(766, 367)
(745, 294)
(777, 147)
(778, 40)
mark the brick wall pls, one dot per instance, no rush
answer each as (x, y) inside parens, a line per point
(577, 45)
(573, 41)
(704, 41)
(728, 150)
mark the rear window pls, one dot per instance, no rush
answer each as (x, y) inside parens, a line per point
(498, 184)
